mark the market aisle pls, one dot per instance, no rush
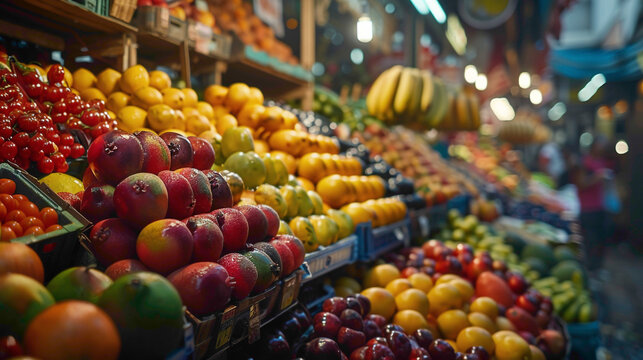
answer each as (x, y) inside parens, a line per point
(620, 290)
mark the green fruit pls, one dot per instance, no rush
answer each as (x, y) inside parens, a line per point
(281, 170)
(284, 228)
(148, 312)
(249, 166)
(304, 204)
(237, 139)
(79, 283)
(305, 231)
(318, 203)
(537, 265)
(565, 270)
(269, 195)
(267, 270)
(326, 229)
(540, 251)
(564, 253)
(271, 174)
(290, 196)
(21, 299)
(343, 221)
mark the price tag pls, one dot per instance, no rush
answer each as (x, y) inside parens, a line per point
(225, 330)
(254, 324)
(399, 234)
(425, 228)
(288, 292)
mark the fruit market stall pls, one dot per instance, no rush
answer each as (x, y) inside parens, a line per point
(148, 211)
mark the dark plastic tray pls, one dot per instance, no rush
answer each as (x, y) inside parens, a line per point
(329, 258)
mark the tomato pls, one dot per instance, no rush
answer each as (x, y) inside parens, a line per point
(60, 117)
(90, 118)
(8, 150)
(66, 139)
(77, 150)
(21, 139)
(15, 226)
(74, 106)
(45, 165)
(3, 212)
(62, 167)
(37, 155)
(20, 197)
(6, 233)
(58, 159)
(53, 137)
(65, 150)
(49, 216)
(9, 202)
(56, 74)
(53, 228)
(7, 186)
(28, 123)
(49, 147)
(6, 131)
(29, 208)
(34, 90)
(31, 221)
(34, 230)
(37, 142)
(16, 215)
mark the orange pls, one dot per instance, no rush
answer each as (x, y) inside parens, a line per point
(504, 324)
(382, 302)
(204, 109)
(357, 212)
(410, 320)
(475, 336)
(190, 98)
(451, 322)
(160, 80)
(444, 297)
(413, 299)
(238, 95)
(216, 94)
(485, 305)
(333, 190)
(483, 321)
(381, 275)
(397, 286)
(73, 330)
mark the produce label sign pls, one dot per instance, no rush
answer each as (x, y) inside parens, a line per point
(271, 12)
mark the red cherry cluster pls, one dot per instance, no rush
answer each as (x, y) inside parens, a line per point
(27, 133)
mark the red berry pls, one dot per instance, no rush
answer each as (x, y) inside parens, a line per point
(56, 74)
(21, 139)
(8, 150)
(74, 106)
(53, 137)
(36, 155)
(34, 90)
(49, 147)
(65, 150)
(60, 117)
(62, 167)
(28, 123)
(24, 153)
(46, 165)
(6, 131)
(77, 150)
(66, 139)
(90, 118)
(4, 108)
(37, 142)
(57, 158)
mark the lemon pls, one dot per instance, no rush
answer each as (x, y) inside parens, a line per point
(226, 122)
(107, 81)
(219, 111)
(216, 94)
(146, 97)
(180, 122)
(160, 80)
(178, 131)
(413, 299)
(382, 301)
(131, 117)
(256, 96)
(410, 320)
(197, 124)
(190, 97)
(238, 95)
(112, 115)
(205, 109)
(173, 97)
(381, 275)
(190, 111)
(117, 100)
(60, 182)
(349, 282)
(83, 79)
(251, 115)
(134, 78)
(91, 94)
(161, 117)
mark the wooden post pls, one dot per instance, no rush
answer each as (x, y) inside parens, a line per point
(185, 63)
(308, 47)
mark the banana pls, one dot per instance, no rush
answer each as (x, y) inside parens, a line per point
(430, 119)
(586, 313)
(461, 114)
(427, 91)
(374, 95)
(413, 107)
(390, 83)
(561, 301)
(571, 312)
(404, 92)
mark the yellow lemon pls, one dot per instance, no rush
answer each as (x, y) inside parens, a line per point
(444, 297)
(91, 94)
(211, 136)
(112, 115)
(451, 322)
(197, 124)
(205, 109)
(238, 95)
(134, 78)
(161, 117)
(410, 320)
(190, 97)
(220, 111)
(146, 97)
(189, 111)
(131, 117)
(465, 288)
(107, 81)
(483, 321)
(83, 79)
(181, 120)
(225, 122)
(251, 115)
(160, 80)
(173, 97)
(413, 299)
(289, 160)
(117, 100)
(256, 96)
(485, 305)
(381, 275)
(355, 210)
(382, 302)
(261, 147)
(421, 281)
(397, 286)
(446, 278)
(350, 283)
(60, 182)
(502, 323)
(215, 94)
(475, 336)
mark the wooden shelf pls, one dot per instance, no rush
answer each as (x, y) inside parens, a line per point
(71, 16)
(272, 82)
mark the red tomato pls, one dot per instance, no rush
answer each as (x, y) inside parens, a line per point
(53, 228)
(29, 208)
(48, 216)
(6, 233)
(31, 221)
(9, 202)
(20, 197)
(17, 228)
(3, 212)
(16, 215)
(34, 230)
(7, 186)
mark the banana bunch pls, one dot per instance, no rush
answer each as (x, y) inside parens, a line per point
(419, 100)
(570, 300)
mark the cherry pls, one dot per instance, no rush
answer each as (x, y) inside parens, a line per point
(77, 150)
(66, 139)
(45, 165)
(8, 150)
(56, 74)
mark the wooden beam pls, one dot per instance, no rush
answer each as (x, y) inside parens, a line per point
(32, 35)
(307, 47)
(185, 63)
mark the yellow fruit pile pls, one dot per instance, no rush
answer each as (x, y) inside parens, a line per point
(299, 143)
(316, 166)
(445, 308)
(379, 212)
(337, 190)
